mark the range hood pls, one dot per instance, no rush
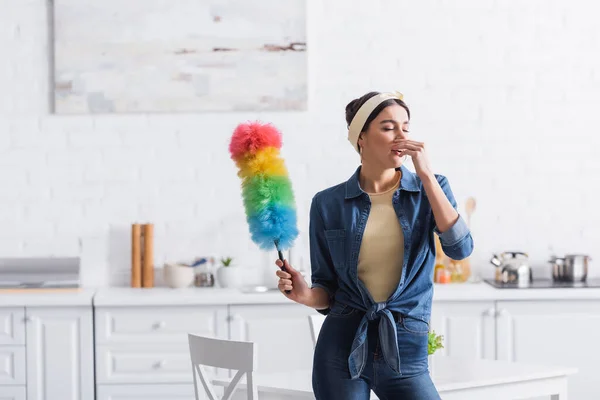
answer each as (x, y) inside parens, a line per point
(39, 272)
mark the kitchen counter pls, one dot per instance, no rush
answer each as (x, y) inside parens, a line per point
(188, 296)
(46, 297)
(218, 296)
(484, 291)
(125, 296)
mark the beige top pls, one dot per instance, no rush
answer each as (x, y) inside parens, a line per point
(382, 247)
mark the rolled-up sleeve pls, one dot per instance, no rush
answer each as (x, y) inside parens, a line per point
(322, 272)
(457, 241)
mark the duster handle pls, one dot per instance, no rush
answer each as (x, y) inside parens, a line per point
(282, 268)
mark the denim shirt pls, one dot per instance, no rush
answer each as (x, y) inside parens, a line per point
(338, 216)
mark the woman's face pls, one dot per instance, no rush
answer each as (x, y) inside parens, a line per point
(377, 142)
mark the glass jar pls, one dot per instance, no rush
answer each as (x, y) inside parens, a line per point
(204, 274)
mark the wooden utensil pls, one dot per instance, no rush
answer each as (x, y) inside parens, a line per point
(136, 255)
(148, 256)
(465, 264)
(470, 206)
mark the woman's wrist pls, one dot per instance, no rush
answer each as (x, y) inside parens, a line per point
(429, 179)
(307, 299)
(316, 298)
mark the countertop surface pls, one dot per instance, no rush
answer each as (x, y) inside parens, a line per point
(162, 296)
(217, 296)
(187, 296)
(46, 297)
(484, 291)
(450, 374)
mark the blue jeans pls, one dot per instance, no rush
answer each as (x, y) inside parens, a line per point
(331, 377)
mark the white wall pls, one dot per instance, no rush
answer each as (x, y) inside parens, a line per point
(505, 93)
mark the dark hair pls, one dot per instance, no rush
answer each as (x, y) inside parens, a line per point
(353, 107)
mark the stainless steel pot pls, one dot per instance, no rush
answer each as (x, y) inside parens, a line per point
(570, 268)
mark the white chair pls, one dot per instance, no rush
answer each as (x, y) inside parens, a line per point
(315, 321)
(228, 354)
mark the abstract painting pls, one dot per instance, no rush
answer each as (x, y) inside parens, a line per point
(130, 56)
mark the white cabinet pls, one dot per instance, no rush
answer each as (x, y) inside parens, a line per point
(13, 393)
(468, 328)
(281, 332)
(143, 353)
(555, 333)
(46, 353)
(60, 361)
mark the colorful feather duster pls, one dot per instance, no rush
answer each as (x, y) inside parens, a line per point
(266, 188)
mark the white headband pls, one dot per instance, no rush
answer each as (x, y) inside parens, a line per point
(358, 122)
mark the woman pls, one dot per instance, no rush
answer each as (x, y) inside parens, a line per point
(372, 254)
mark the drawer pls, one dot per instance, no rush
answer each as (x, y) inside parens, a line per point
(12, 325)
(12, 365)
(144, 364)
(13, 393)
(159, 324)
(146, 392)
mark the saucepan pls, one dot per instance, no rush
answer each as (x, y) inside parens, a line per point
(570, 268)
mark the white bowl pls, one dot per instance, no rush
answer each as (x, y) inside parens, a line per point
(178, 276)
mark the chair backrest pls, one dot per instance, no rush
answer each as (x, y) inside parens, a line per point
(229, 354)
(315, 321)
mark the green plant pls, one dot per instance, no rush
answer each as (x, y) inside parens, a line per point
(434, 343)
(226, 261)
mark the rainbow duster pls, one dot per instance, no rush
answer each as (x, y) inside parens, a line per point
(266, 188)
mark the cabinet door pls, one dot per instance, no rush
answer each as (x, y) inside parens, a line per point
(60, 362)
(281, 332)
(468, 328)
(561, 333)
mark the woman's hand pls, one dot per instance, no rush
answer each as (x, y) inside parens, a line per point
(416, 151)
(292, 280)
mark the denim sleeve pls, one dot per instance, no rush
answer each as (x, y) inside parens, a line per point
(323, 275)
(457, 241)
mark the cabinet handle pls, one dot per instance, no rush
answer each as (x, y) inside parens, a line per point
(231, 318)
(159, 325)
(502, 312)
(490, 312)
(160, 364)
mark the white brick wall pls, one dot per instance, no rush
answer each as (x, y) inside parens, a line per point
(505, 93)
